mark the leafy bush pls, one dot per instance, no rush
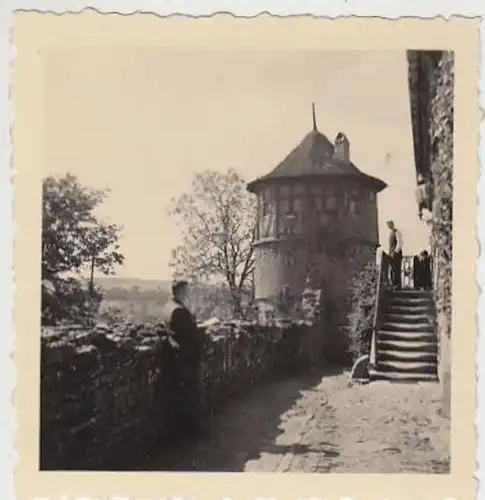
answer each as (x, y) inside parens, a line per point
(111, 314)
(363, 289)
(69, 301)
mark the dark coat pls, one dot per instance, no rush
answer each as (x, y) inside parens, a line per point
(183, 374)
(422, 272)
(182, 326)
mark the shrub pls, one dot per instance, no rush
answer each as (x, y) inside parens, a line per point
(111, 314)
(363, 287)
(68, 301)
(335, 345)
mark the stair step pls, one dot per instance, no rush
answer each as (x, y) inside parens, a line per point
(394, 326)
(409, 300)
(406, 318)
(409, 345)
(402, 376)
(406, 335)
(418, 356)
(408, 366)
(414, 305)
(409, 292)
(408, 309)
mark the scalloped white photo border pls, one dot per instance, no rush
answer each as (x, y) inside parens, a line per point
(390, 9)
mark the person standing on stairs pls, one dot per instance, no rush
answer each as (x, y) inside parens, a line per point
(395, 254)
(422, 271)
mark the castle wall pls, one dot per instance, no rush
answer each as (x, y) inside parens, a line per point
(107, 400)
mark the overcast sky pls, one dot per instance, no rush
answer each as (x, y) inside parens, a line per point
(143, 121)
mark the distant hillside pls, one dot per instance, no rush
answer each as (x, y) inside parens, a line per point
(144, 289)
(143, 299)
(109, 282)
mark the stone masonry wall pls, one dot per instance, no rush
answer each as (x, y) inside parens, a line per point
(441, 134)
(431, 80)
(104, 400)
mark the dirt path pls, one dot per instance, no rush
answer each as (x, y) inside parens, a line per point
(318, 424)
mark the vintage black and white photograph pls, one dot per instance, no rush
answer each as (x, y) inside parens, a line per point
(245, 257)
(247, 261)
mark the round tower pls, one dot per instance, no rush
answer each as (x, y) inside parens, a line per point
(317, 216)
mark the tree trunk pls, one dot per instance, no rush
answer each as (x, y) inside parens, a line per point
(91, 279)
(236, 303)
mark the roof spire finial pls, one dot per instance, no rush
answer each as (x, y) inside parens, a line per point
(314, 117)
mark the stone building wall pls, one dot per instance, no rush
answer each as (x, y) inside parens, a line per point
(441, 132)
(105, 401)
(431, 80)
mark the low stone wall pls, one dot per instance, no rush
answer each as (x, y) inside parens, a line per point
(104, 403)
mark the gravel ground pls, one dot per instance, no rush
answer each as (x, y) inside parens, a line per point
(318, 424)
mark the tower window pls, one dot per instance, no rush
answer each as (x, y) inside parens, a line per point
(352, 201)
(317, 203)
(322, 218)
(285, 191)
(266, 201)
(330, 201)
(298, 214)
(285, 207)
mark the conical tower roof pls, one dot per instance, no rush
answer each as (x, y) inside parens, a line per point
(314, 157)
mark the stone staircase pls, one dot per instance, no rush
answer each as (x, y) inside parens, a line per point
(406, 340)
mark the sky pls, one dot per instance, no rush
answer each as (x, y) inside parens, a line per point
(143, 121)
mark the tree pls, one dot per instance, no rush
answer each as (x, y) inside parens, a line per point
(218, 221)
(67, 300)
(74, 240)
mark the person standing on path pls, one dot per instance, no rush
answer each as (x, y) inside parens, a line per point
(395, 254)
(187, 344)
